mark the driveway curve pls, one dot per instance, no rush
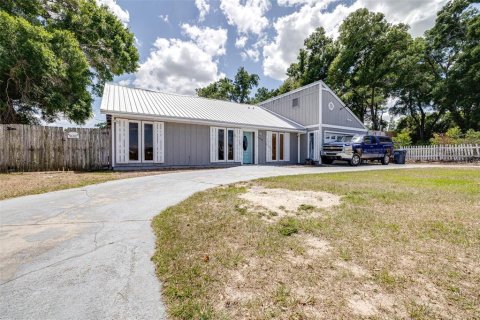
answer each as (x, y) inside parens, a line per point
(85, 253)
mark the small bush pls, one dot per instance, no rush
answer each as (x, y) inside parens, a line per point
(288, 226)
(306, 207)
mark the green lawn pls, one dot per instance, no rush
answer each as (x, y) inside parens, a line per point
(402, 244)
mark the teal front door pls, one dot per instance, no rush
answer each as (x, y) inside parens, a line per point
(247, 147)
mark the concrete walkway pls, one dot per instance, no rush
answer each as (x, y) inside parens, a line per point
(85, 253)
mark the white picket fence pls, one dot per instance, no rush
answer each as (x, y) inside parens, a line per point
(460, 152)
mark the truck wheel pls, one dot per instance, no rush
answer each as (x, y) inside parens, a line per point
(386, 159)
(326, 160)
(356, 160)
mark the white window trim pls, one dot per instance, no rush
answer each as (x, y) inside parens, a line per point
(277, 141)
(214, 144)
(125, 141)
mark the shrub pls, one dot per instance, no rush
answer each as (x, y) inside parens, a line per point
(403, 138)
(288, 226)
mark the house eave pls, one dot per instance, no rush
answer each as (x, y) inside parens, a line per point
(197, 121)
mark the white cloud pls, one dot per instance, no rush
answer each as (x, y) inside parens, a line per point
(212, 41)
(248, 17)
(251, 53)
(241, 42)
(290, 3)
(203, 7)
(125, 82)
(113, 6)
(181, 66)
(291, 30)
(164, 18)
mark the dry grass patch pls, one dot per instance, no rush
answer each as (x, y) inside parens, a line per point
(401, 244)
(27, 183)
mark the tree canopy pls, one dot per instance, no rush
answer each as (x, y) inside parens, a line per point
(237, 90)
(433, 81)
(54, 55)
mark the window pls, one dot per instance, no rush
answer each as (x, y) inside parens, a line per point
(282, 141)
(369, 140)
(274, 146)
(221, 144)
(230, 145)
(133, 138)
(295, 102)
(311, 145)
(384, 139)
(138, 141)
(148, 141)
(357, 139)
(278, 146)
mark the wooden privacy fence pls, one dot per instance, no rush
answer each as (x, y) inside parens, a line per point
(39, 148)
(460, 152)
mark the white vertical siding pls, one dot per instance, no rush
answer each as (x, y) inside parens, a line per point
(158, 142)
(213, 144)
(269, 146)
(121, 140)
(238, 145)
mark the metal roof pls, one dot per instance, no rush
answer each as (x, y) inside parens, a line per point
(120, 100)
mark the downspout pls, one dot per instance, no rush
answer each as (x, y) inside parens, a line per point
(298, 147)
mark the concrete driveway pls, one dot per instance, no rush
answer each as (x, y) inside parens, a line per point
(85, 253)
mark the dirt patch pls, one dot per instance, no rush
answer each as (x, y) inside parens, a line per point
(353, 268)
(284, 202)
(368, 301)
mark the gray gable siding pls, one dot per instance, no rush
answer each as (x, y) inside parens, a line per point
(340, 115)
(307, 112)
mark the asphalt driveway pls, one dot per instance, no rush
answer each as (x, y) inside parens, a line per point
(85, 253)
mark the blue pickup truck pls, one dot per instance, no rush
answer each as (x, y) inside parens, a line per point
(357, 148)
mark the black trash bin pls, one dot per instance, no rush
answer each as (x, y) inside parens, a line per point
(399, 156)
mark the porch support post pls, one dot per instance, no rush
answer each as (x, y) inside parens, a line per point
(298, 147)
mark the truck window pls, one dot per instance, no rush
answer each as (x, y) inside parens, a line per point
(369, 140)
(357, 139)
(384, 139)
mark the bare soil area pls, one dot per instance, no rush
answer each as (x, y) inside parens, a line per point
(281, 203)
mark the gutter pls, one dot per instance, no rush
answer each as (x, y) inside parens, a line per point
(129, 115)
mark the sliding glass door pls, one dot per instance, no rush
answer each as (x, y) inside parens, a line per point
(140, 141)
(147, 142)
(134, 141)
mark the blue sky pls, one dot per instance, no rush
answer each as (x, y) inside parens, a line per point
(187, 44)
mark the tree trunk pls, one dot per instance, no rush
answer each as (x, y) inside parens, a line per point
(7, 113)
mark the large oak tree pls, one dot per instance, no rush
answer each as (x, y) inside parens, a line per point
(55, 55)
